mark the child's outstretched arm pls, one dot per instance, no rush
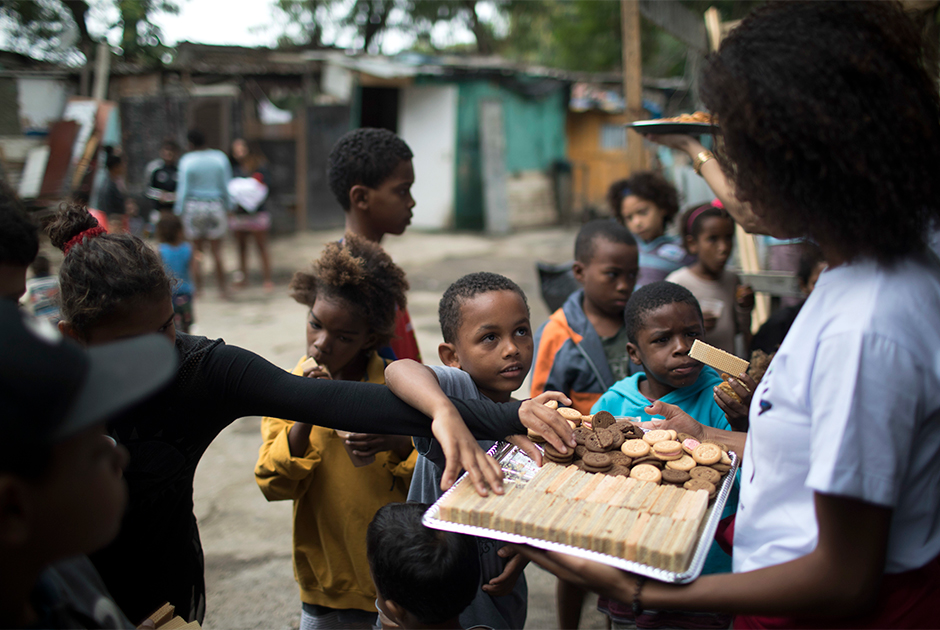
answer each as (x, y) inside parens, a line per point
(418, 386)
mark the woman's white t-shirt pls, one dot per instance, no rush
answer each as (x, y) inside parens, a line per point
(850, 407)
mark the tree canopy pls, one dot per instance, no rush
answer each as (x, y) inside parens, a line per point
(65, 31)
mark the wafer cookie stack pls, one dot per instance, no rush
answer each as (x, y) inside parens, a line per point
(718, 359)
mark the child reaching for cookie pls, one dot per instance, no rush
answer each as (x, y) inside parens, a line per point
(663, 320)
(708, 233)
(338, 481)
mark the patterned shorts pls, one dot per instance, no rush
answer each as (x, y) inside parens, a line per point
(204, 219)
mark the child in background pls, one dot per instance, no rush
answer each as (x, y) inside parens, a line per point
(114, 200)
(178, 257)
(61, 491)
(487, 352)
(352, 292)
(371, 175)
(424, 577)
(708, 234)
(663, 320)
(645, 204)
(42, 291)
(581, 349)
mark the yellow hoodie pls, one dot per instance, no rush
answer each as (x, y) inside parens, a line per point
(334, 502)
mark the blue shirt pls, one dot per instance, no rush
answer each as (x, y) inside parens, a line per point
(660, 257)
(176, 260)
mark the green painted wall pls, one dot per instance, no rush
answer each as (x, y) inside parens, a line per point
(535, 138)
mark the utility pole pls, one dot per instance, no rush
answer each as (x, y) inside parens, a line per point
(632, 80)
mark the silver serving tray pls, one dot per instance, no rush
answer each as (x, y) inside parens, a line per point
(518, 468)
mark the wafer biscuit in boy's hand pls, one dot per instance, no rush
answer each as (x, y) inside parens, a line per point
(718, 359)
(311, 363)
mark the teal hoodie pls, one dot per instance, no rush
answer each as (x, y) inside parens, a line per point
(697, 400)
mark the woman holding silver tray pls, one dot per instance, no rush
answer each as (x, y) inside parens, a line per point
(831, 131)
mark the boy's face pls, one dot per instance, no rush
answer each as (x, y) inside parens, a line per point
(662, 347)
(609, 277)
(336, 334)
(642, 217)
(494, 343)
(79, 502)
(389, 204)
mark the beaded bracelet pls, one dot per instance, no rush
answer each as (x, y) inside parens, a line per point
(637, 606)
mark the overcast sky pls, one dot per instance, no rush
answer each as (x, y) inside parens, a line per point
(254, 23)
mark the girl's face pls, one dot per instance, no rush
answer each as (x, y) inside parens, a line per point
(240, 149)
(337, 336)
(713, 244)
(142, 316)
(642, 217)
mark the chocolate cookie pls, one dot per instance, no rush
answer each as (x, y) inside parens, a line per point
(618, 439)
(617, 469)
(675, 477)
(606, 437)
(649, 459)
(602, 420)
(579, 463)
(559, 458)
(619, 459)
(706, 473)
(597, 462)
(593, 443)
(581, 433)
(580, 450)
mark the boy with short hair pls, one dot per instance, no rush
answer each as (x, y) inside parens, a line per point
(581, 349)
(371, 175)
(487, 351)
(662, 320)
(61, 489)
(424, 577)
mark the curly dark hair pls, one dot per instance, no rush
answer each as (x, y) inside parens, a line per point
(831, 124)
(694, 218)
(102, 273)
(648, 185)
(359, 272)
(470, 285)
(599, 228)
(19, 235)
(430, 573)
(364, 157)
(650, 297)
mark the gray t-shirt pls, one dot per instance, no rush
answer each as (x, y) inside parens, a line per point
(499, 613)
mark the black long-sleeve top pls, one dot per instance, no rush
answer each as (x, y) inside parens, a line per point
(157, 556)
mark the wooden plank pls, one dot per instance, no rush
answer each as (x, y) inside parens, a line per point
(633, 80)
(676, 20)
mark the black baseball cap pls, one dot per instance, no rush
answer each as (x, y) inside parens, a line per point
(51, 388)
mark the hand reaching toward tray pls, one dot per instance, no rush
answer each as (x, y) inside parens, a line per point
(462, 452)
(678, 420)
